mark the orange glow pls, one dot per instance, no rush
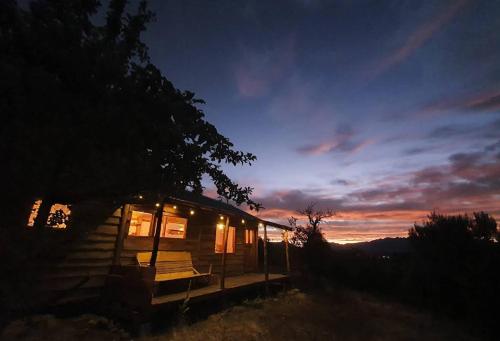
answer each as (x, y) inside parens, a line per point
(55, 208)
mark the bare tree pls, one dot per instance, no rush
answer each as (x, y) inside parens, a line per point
(312, 231)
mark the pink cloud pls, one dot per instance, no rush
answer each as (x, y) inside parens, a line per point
(416, 39)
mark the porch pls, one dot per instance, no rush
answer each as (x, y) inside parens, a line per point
(233, 284)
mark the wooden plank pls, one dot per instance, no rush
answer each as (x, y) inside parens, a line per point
(112, 221)
(107, 229)
(232, 283)
(266, 265)
(90, 255)
(126, 216)
(224, 254)
(71, 283)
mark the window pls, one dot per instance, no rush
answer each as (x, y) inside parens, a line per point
(249, 236)
(142, 224)
(219, 239)
(173, 227)
(58, 215)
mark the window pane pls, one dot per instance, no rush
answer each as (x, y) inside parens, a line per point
(231, 240)
(173, 227)
(249, 236)
(219, 239)
(140, 224)
(58, 215)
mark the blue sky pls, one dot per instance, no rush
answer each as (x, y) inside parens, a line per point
(381, 110)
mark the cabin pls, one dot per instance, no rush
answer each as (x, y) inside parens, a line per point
(123, 256)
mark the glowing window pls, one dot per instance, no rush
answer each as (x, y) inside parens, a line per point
(219, 239)
(58, 215)
(173, 227)
(249, 236)
(140, 224)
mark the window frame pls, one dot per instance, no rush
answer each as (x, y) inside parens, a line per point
(166, 215)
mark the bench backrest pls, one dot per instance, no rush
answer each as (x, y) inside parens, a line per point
(174, 263)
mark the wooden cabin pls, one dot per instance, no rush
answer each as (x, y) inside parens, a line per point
(217, 240)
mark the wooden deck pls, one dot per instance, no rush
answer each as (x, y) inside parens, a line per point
(231, 283)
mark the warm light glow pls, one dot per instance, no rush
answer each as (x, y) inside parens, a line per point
(242, 221)
(141, 197)
(261, 225)
(64, 209)
(174, 207)
(157, 204)
(221, 217)
(191, 212)
(219, 239)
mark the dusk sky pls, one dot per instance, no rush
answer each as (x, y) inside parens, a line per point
(380, 110)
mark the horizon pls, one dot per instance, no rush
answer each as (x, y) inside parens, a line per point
(382, 112)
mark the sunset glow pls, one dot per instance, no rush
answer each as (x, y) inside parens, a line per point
(383, 117)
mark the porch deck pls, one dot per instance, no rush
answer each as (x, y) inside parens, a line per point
(232, 284)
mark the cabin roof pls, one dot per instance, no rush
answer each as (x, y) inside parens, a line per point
(192, 199)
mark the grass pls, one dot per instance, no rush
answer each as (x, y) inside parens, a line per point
(294, 315)
(341, 315)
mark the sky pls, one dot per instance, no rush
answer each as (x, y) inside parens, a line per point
(380, 110)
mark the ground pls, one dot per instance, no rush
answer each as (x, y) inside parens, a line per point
(338, 315)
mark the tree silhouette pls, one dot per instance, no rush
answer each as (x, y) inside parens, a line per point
(310, 233)
(86, 113)
(314, 250)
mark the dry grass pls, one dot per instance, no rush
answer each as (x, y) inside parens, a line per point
(343, 315)
(338, 315)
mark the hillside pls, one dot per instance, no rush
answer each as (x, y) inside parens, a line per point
(378, 247)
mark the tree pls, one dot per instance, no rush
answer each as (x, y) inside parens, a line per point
(86, 112)
(314, 250)
(311, 233)
(484, 227)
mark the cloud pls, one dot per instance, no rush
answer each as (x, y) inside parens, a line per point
(467, 182)
(488, 101)
(341, 182)
(344, 141)
(417, 38)
(259, 70)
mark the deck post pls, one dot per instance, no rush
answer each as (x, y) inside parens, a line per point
(122, 232)
(287, 255)
(156, 240)
(266, 262)
(224, 253)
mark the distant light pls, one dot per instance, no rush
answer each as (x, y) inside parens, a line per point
(157, 204)
(175, 207)
(141, 197)
(242, 221)
(261, 225)
(191, 212)
(221, 217)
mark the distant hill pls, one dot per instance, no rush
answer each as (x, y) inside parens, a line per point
(378, 247)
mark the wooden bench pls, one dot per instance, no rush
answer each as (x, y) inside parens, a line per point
(172, 265)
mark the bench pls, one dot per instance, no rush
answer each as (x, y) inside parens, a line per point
(172, 265)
